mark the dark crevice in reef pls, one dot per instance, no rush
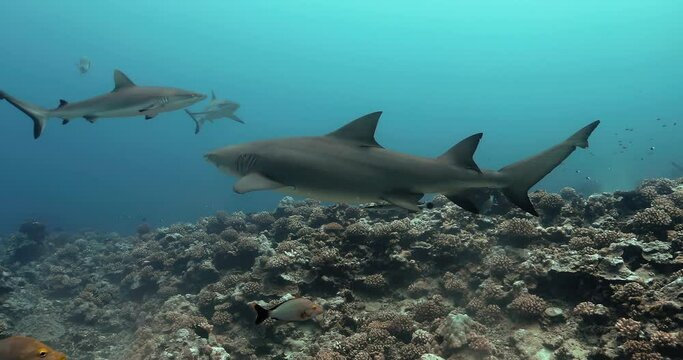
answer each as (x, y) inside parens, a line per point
(573, 287)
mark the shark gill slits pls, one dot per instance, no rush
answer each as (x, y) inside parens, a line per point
(245, 162)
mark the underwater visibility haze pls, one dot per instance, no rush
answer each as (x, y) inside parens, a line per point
(119, 239)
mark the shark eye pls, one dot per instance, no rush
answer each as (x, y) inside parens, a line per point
(42, 354)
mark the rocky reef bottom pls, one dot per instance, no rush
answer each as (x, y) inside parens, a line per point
(591, 278)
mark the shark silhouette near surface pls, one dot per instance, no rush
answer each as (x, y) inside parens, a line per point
(126, 100)
(348, 165)
(217, 109)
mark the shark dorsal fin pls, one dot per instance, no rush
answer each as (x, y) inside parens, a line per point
(121, 81)
(361, 130)
(461, 153)
(213, 95)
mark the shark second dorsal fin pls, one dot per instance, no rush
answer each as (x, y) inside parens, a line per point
(461, 153)
(121, 81)
(213, 95)
(361, 130)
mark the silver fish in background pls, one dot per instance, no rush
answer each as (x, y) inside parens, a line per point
(84, 65)
(126, 100)
(297, 309)
(217, 109)
(348, 165)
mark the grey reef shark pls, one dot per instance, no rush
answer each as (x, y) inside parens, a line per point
(217, 109)
(348, 165)
(126, 100)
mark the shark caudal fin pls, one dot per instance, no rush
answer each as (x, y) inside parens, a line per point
(261, 313)
(522, 175)
(36, 113)
(198, 124)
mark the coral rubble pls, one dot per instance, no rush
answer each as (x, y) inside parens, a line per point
(591, 278)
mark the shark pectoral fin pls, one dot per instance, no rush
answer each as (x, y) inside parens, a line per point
(464, 202)
(255, 182)
(461, 153)
(234, 117)
(91, 119)
(408, 201)
(150, 107)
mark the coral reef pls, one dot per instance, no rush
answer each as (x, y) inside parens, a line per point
(593, 278)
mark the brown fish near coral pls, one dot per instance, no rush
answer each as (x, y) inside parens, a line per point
(298, 309)
(27, 348)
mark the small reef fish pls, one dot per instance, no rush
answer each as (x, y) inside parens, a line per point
(126, 100)
(348, 165)
(84, 65)
(27, 348)
(217, 109)
(298, 309)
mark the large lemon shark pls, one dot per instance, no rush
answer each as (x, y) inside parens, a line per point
(126, 100)
(348, 165)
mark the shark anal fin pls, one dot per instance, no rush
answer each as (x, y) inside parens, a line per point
(121, 81)
(464, 202)
(405, 200)
(461, 153)
(234, 117)
(91, 119)
(520, 198)
(255, 182)
(360, 131)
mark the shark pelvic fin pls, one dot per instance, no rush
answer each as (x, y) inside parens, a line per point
(255, 182)
(461, 153)
(405, 200)
(121, 81)
(360, 131)
(91, 119)
(522, 175)
(150, 116)
(65, 121)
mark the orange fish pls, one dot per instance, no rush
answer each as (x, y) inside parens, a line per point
(26, 348)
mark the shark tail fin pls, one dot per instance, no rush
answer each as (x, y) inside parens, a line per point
(198, 125)
(522, 175)
(36, 113)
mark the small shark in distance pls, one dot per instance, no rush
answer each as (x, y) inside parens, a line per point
(348, 165)
(126, 100)
(217, 109)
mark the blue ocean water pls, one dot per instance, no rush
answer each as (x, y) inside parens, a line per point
(525, 73)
